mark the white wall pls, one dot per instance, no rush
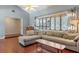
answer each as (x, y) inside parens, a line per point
(6, 11)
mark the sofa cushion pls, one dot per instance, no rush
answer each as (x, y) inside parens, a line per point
(30, 37)
(69, 36)
(49, 33)
(59, 40)
(55, 33)
(41, 33)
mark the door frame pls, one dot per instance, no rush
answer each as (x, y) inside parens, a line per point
(21, 24)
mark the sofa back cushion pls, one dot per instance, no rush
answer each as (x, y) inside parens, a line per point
(55, 33)
(49, 33)
(66, 35)
(41, 33)
(69, 36)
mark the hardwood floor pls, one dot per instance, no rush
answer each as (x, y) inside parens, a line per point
(11, 45)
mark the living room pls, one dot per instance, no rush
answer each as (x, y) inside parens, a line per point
(39, 28)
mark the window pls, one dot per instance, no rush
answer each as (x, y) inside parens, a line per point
(52, 23)
(64, 23)
(40, 24)
(57, 23)
(48, 23)
(37, 23)
(44, 23)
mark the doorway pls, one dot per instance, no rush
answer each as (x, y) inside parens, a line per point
(12, 27)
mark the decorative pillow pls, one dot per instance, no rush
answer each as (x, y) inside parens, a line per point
(30, 32)
(58, 34)
(54, 33)
(70, 37)
(49, 33)
(76, 38)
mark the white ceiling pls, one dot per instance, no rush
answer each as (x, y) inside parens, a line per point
(40, 7)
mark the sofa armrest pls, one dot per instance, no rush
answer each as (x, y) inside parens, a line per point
(22, 42)
(76, 38)
(78, 46)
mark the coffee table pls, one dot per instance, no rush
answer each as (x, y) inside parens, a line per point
(59, 47)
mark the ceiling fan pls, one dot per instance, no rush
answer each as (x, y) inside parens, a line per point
(30, 7)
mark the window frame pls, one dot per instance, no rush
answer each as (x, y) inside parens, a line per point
(50, 18)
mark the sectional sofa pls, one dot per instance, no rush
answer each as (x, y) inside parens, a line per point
(71, 40)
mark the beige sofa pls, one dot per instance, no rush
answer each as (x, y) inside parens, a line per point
(65, 38)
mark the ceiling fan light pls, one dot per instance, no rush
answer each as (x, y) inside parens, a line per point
(31, 7)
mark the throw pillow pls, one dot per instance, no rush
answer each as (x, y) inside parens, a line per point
(70, 37)
(49, 33)
(30, 32)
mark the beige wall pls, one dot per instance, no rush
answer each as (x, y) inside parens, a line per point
(12, 26)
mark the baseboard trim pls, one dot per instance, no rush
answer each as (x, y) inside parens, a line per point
(12, 35)
(3, 37)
